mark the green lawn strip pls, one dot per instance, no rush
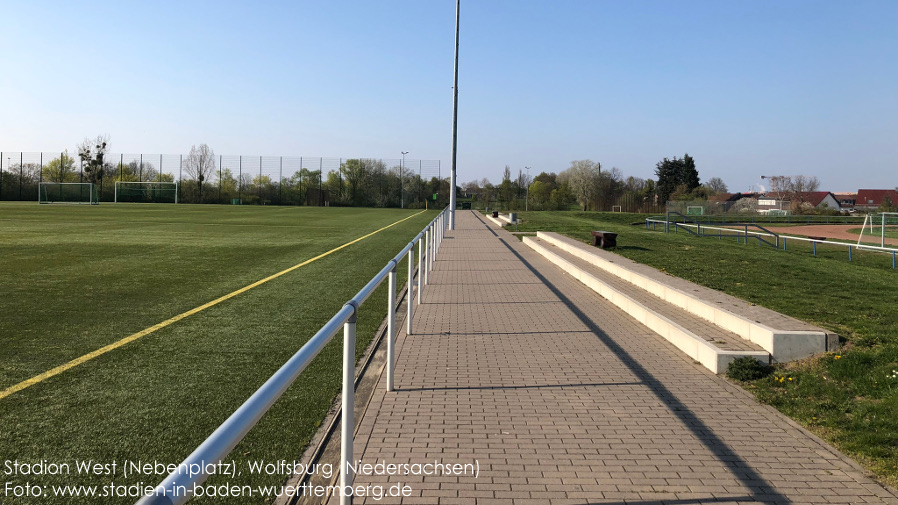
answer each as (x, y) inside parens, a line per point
(77, 278)
(158, 398)
(891, 232)
(851, 401)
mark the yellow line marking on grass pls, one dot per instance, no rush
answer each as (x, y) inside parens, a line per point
(140, 334)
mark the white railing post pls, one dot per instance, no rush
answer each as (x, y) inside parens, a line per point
(420, 270)
(391, 326)
(411, 289)
(427, 257)
(348, 413)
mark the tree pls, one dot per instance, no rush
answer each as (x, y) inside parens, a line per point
(673, 173)
(92, 152)
(583, 177)
(794, 188)
(200, 164)
(716, 185)
(60, 169)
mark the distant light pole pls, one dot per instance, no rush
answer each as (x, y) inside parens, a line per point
(401, 163)
(527, 201)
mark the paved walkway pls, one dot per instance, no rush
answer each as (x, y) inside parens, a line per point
(559, 397)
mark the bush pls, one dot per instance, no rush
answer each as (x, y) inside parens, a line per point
(746, 368)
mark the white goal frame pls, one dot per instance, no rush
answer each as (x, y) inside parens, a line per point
(617, 208)
(870, 220)
(93, 196)
(174, 186)
(702, 209)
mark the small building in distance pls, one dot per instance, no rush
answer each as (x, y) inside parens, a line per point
(846, 200)
(787, 202)
(869, 200)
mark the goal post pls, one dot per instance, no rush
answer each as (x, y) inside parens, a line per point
(882, 221)
(616, 208)
(695, 210)
(888, 219)
(146, 192)
(68, 192)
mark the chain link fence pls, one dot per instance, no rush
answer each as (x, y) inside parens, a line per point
(260, 180)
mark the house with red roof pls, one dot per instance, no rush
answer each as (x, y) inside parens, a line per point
(788, 202)
(871, 199)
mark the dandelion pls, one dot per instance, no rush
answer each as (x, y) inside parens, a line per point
(790, 378)
(837, 356)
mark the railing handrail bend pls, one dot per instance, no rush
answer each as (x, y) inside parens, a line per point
(177, 487)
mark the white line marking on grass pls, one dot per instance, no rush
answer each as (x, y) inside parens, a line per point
(131, 338)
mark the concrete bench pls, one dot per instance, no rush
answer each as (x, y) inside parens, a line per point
(604, 239)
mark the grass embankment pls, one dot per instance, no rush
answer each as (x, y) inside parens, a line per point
(849, 398)
(77, 278)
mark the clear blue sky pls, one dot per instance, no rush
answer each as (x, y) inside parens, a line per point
(748, 88)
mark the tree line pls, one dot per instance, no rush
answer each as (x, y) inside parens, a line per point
(356, 182)
(585, 184)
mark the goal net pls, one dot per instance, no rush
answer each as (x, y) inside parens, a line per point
(695, 210)
(68, 192)
(146, 192)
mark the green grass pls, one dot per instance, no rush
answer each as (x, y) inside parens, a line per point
(891, 232)
(76, 278)
(849, 398)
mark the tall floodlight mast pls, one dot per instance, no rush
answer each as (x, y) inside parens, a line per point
(454, 125)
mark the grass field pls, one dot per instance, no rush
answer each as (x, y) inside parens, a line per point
(849, 398)
(76, 278)
(891, 231)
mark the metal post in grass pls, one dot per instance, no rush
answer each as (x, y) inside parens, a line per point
(849, 253)
(391, 324)
(348, 414)
(411, 288)
(814, 244)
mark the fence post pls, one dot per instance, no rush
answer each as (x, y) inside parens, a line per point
(427, 256)
(391, 325)
(411, 288)
(348, 427)
(849, 253)
(815, 249)
(420, 271)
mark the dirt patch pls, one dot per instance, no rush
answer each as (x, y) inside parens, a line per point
(833, 231)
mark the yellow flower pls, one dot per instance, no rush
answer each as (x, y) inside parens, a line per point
(837, 356)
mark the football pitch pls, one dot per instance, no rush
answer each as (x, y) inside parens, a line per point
(78, 278)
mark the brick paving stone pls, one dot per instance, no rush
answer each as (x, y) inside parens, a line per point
(560, 397)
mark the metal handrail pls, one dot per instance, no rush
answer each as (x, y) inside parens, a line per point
(178, 486)
(781, 235)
